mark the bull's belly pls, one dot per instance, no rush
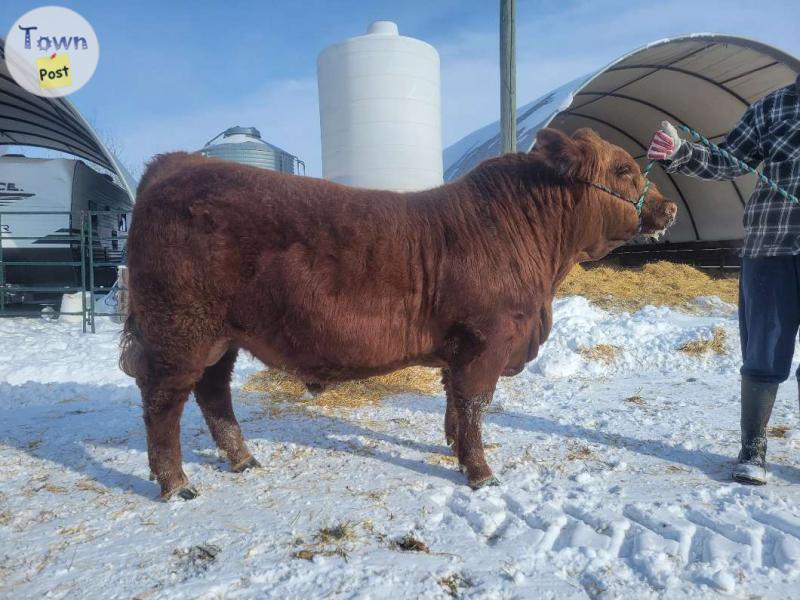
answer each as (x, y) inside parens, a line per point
(317, 368)
(327, 352)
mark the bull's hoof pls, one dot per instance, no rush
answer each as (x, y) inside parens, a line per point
(450, 441)
(490, 481)
(188, 492)
(185, 492)
(249, 463)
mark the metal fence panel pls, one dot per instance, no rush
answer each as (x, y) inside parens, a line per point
(98, 253)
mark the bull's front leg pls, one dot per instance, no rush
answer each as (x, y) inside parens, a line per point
(471, 384)
(469, 444)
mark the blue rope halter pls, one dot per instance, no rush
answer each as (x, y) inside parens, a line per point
(639, 202)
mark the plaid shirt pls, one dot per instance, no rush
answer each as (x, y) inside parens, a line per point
(769, 132)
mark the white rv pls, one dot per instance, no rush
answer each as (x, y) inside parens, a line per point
(59, 185)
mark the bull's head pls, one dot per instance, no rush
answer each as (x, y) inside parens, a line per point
(588, 163)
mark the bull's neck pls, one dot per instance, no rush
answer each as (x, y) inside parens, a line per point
(541, 217)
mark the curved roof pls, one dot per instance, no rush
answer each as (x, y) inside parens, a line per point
(53, 123)
(705, 81)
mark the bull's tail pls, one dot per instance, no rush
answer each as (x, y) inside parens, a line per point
(131, 356)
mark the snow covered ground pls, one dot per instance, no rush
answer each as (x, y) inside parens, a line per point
(614, 481)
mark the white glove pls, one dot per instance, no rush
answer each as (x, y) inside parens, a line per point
(665, 142)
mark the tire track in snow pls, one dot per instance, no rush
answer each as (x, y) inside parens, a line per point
(682, 534)
(551, 528)
(484, 516)
(782, 521)
(782, 531)
(601, 522)
(752, 539)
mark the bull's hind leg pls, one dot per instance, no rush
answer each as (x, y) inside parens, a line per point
(213, 394)
(163, 401)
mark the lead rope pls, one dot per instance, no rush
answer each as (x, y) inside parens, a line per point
(740, 163)
(639, 203)
(646, 174)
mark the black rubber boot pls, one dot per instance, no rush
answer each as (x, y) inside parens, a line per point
(757, 402)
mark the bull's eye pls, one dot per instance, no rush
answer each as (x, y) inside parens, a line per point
(623, 170)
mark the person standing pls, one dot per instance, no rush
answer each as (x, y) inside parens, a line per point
(769, 282)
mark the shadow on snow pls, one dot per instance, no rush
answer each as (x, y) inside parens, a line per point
(87, 421)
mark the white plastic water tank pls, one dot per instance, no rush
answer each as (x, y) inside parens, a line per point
(380, 111)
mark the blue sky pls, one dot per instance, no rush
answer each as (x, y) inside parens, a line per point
(172, 74)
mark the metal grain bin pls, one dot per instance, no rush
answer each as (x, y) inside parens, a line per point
(244, 145)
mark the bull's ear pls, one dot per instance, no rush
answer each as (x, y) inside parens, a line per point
(560, 152)
(586, 134)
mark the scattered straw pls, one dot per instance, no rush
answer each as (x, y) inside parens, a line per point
(677, 469)
(337, 533)
(635, 399)
(777, 431)
(376, 496)
(658, 283)
(443, 460)
(448, 460)
(701, 346)
(283, 387)
(329, 541)
(452, 584)
(90, 485)
(5, 517)
(602, 352)
(75, 531)
(579, 453)
(408, 543)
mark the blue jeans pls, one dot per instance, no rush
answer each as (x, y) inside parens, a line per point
(769, 316)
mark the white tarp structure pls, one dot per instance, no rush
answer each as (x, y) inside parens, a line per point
(704, 81)
(53, 123)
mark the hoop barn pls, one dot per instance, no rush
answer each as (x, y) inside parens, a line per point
(704, 81)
